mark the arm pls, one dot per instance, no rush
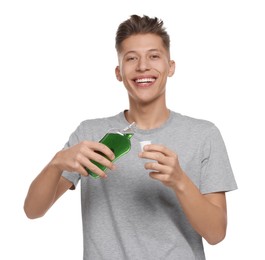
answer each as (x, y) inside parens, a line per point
(49, 185)
(206, 213)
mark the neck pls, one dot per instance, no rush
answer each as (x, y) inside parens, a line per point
(147, 116)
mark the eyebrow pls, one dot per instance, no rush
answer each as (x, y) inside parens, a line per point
(151, 50)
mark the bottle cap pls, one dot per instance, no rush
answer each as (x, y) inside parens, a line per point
(129, 128)
(143, 143)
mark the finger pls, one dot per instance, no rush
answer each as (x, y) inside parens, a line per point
(157, 156)
(82, 171)
(156, 167)
(77, 167)
(85, 164)
(101, 159)
(158, 176)
(155, 175)
(102, 148)
(97, 152)
(93, 168)
(159, 148)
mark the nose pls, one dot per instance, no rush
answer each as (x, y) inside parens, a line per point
(143, 64)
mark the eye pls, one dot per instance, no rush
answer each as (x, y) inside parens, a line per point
(131, 58)
(154, 56)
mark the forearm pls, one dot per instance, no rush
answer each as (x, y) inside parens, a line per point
(42, 192)
(206, 213)
(206, 217)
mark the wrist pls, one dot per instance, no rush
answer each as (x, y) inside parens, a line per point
(181, 183)
(55, 165)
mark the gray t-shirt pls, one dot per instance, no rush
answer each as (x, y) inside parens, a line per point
(131, 216)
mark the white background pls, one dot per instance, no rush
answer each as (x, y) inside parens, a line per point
(57, 61)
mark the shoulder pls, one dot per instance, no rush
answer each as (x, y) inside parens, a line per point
(194, 125)
(93, 129)
(96, 123)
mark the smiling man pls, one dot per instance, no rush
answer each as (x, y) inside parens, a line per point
(144, 66)
(158, 203)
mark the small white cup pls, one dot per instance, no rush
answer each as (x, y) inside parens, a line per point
(143, 143)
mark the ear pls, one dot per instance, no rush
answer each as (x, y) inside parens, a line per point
(172, 67)
(118, 74)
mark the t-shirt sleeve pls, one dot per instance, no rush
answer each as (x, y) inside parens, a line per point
(216, 170)
(73, 176)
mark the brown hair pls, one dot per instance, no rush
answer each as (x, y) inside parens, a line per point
(141, 25)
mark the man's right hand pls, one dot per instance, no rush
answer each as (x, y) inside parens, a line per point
(79, 156)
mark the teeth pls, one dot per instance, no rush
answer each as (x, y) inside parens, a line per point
(145, 80)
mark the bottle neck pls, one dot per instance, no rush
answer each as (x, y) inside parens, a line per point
(128, 135)
(128, 131)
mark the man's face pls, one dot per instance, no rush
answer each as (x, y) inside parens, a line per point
(144, 66)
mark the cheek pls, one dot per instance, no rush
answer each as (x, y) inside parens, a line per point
(127, 73)
(168, 72)
(162, 67)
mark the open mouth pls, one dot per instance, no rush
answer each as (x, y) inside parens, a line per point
(145, 81)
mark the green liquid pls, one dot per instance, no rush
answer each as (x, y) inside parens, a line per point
(119, 144)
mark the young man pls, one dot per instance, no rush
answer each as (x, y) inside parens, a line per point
(155, 204)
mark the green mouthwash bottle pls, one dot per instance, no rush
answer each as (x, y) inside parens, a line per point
(118, 141)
